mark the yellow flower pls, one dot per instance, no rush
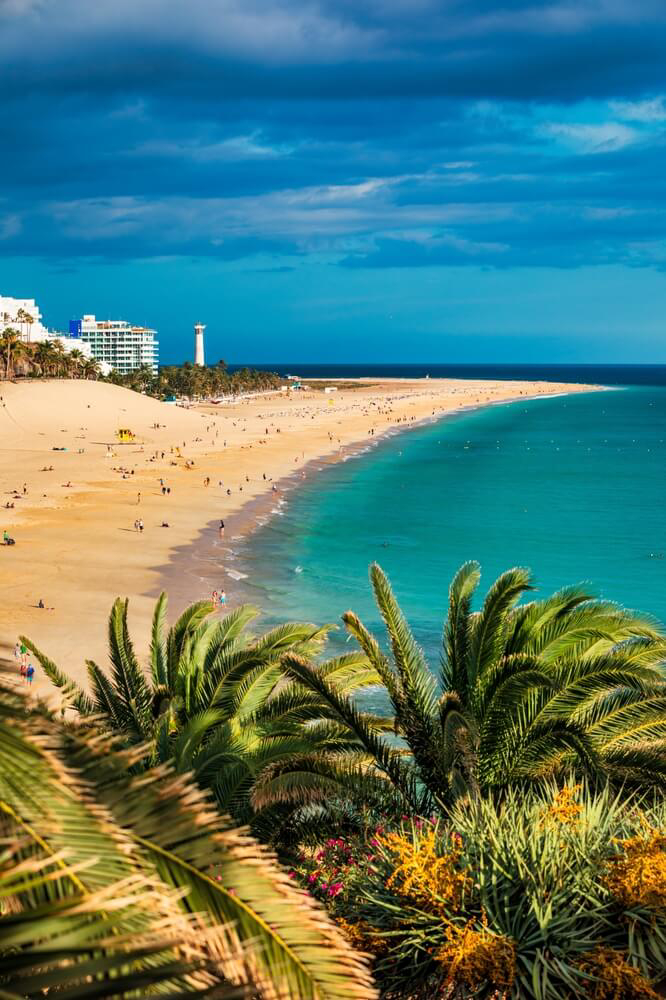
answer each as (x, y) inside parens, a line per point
(615, 978)
(361, 936)
(474, 956)
(638, 877)
(564, 809)
(427, 879)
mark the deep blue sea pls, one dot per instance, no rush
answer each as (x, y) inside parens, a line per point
(572, 487)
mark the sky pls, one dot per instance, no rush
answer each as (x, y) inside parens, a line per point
(341, 180)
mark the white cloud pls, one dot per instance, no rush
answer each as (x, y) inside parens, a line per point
(268, 30)
(648, 111)
(603, 138)
(10, 225)
(604, 213)
(241, 147)
(304, 216)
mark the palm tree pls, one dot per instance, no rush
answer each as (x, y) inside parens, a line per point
(55, 934)
(23, 318)
(11, 345)
(113, 883)
(91, 369)
(59, 358)
(45, 356)
(76, 360)
(523, 692)
(215, 701)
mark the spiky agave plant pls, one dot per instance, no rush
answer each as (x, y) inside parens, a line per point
(141, 870)
(523, 691)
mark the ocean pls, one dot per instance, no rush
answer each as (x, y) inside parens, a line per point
(571, 487)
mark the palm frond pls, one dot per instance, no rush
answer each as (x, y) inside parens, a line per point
(72, 692)
(386, 758)
(158, 650)
(457, 629)
(129, 681)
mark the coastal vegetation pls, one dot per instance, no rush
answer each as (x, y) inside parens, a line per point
(196, 382)
(545, 893)
(50, 359)
(45, 359)
(499, 830)
(214, 700)
(116, 883)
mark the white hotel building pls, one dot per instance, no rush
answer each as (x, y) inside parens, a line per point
(13, 312)
(24, 316)
(117, 344)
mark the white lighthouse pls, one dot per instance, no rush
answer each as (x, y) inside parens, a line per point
(198, 344)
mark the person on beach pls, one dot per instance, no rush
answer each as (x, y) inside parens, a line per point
(23, 669)
(222, 598)
(30, 673)
(140, 523)
(215, 596)
(221, 527)
(138, 498)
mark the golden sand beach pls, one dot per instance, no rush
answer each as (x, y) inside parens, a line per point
(71, 493)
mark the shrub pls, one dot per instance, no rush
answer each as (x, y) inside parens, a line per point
(545, 894)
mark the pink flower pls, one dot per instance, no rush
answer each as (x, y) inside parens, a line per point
(312, 878)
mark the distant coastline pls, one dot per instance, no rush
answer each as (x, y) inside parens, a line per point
(194, 561)
(607, 374)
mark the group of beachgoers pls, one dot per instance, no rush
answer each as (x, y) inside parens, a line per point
(26, 669)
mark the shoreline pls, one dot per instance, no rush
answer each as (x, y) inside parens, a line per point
(255, 513)
(75, 492)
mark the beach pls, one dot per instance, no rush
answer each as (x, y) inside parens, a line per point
(95, 518)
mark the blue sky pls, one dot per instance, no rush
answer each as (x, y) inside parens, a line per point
(346, 180)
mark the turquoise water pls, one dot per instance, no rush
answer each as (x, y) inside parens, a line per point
(572, 487)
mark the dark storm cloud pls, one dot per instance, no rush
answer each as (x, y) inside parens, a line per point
(386, 134)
